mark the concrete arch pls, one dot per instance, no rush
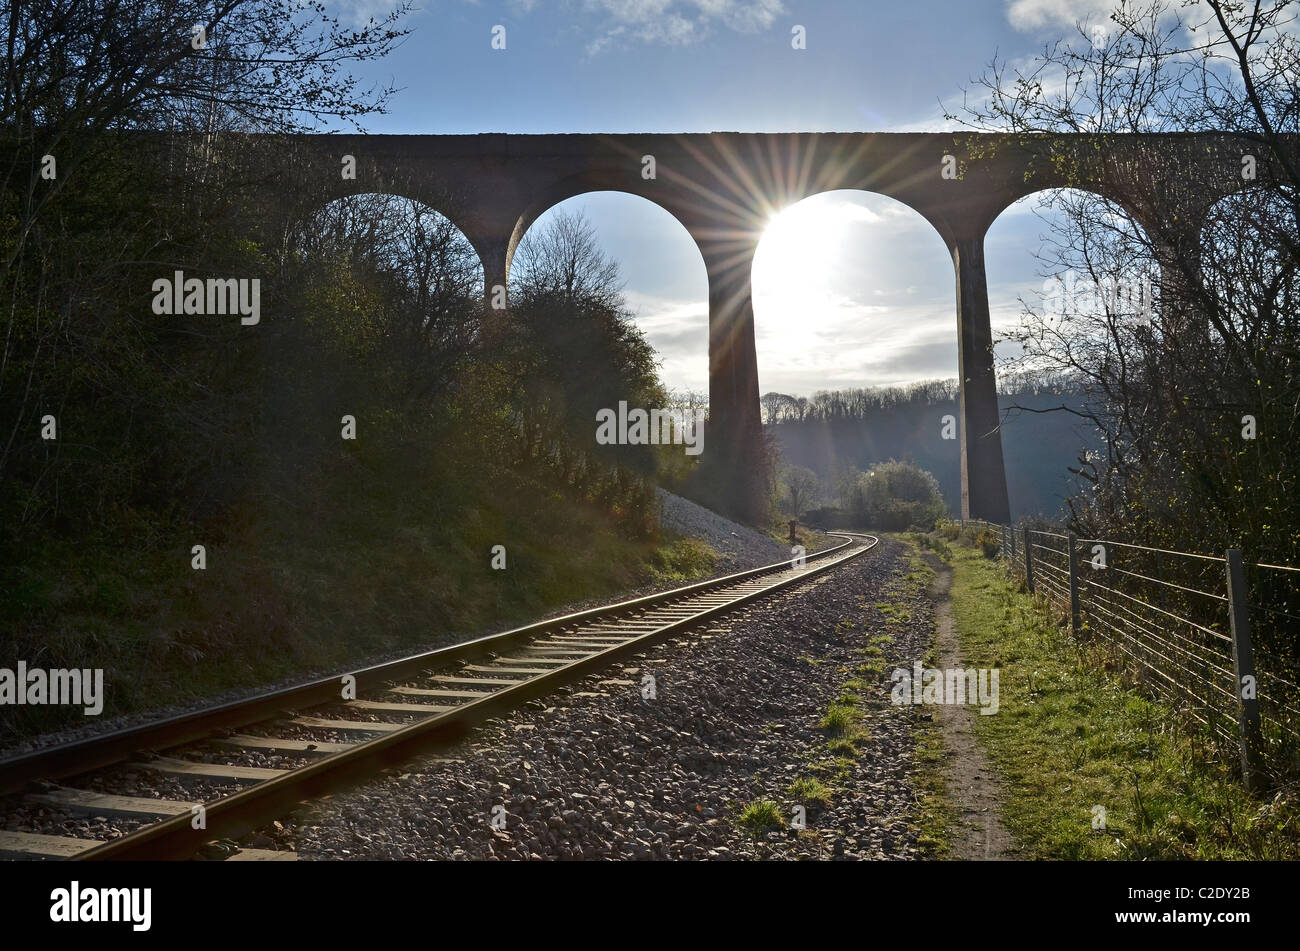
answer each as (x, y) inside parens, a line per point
(1288, 192)
(1133, 216)
(1167, 250)
(1269, 207)
(1132, 210)
(651, 246)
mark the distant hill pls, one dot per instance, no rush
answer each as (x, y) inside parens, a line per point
(836, 429)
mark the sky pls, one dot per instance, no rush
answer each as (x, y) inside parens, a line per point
(850, 289)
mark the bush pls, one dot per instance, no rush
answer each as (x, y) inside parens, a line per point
(989, 543)
(934, 543)
(895, 496)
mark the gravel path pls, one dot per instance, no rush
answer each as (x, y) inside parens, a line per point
(597, 771)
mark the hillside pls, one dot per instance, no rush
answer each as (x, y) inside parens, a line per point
(1038, 447)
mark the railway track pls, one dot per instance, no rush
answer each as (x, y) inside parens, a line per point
(340, 729)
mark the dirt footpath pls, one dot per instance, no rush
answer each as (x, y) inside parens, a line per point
(972, 784)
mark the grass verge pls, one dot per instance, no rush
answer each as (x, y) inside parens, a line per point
(1092, 770)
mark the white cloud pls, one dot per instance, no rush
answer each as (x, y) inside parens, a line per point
(932, 121)
(853, 213)
(358, 13)
(1028, 15)
(679, 332)
(675, 22)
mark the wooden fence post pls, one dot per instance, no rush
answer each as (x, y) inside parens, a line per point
(1243, 666)
(1029, 562)
(1075, 623)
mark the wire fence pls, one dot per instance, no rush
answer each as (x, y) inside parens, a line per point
(1211, 635)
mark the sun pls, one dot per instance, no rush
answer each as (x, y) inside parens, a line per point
(798, 268)
(805, 239)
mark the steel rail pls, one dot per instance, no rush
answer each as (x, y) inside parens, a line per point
(95, 752)
(253, 806)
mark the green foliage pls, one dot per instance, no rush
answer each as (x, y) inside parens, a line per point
(184, 430)
(809, 791)
(839, 719)
(895, 496)
(681, 560)
(934, 542)
(842, 725)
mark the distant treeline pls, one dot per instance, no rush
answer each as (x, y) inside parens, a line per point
(863, 402)
(836, 430)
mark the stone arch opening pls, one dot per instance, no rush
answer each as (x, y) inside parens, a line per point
(397, 281)
(855, 337)
(1070, 273)
(394, 224)
(858, 258)
(1247, 249)
(663, 274)
(1058, 252)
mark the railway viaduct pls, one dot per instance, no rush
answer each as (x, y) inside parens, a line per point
(724, 186)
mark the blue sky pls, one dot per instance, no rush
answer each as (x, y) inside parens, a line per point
(880, 309)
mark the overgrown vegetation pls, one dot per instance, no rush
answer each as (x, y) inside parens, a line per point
(935, 813)
(809, 791)
(347, 462)
(759, 816)
(893, 496)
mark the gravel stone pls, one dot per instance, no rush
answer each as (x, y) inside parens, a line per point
(606, 775)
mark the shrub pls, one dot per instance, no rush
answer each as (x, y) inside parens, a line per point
(898, 495)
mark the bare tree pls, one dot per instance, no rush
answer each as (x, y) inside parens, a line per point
(801, 486)
(564, 259)
(430, 313)
(1170, 396)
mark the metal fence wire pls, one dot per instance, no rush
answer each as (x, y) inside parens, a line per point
(1210, 635)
